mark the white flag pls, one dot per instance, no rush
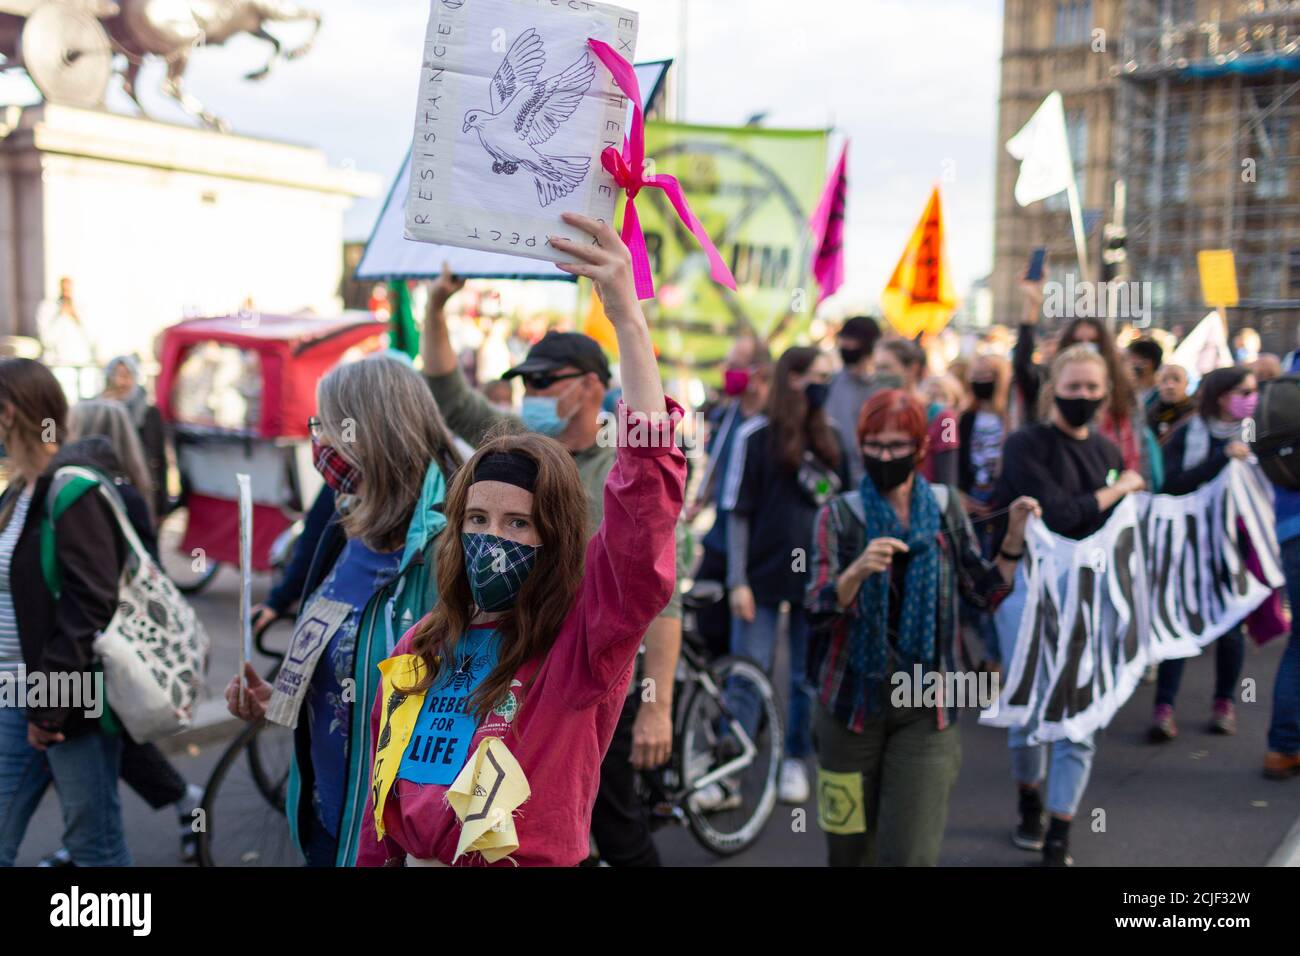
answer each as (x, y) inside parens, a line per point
(1043, 149)
(1204, 349)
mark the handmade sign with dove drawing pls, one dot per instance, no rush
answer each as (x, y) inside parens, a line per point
(514, 113)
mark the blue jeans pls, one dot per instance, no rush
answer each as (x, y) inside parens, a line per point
(1284, 730)
(757, 641)
(1070, 765)
(84, 772)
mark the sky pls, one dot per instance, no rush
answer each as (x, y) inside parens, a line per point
(912, 83)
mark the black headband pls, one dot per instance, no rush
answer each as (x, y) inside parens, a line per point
(509, 468)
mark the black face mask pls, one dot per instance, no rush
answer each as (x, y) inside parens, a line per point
(983, 390)
(852, 356)
(816, 393)
(888, 475)
(1078, 411)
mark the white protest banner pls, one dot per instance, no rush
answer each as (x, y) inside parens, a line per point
(390, 256)
(514, 112)
(1161, 580)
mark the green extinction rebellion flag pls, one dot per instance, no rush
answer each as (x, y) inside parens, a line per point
(754, 190)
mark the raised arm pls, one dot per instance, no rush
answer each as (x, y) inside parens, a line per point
(631, 560)
(608, 264)
(439, 356)
(468, 413)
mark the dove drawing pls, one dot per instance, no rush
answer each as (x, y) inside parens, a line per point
(526, 111)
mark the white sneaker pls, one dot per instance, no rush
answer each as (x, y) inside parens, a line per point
(714, 798)
(793, 786)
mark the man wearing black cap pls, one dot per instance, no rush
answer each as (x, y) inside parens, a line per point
(853, 385)
(566, 377)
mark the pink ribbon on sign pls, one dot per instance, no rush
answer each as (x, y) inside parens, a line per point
(628, 169)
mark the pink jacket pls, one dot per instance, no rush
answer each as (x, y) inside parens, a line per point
(566, 718)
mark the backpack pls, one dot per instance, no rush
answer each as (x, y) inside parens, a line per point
(1277, 431)
(154, 651)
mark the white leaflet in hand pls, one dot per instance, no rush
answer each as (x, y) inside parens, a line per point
(245, 570)
(513, 114)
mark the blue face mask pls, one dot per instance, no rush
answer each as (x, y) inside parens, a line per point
(542, 415)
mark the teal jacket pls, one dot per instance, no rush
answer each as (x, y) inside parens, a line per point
(390, 613)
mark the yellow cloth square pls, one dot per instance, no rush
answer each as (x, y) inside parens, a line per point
(840, 807)
(485, 796)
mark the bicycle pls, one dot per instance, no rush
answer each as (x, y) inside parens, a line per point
(712, 747)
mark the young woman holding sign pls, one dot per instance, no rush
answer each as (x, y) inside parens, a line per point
(1079, 477)
(889, 561)
(381, 444)
(495, 711)
(1194, 455)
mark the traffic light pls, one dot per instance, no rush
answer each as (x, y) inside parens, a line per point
(1114, 254)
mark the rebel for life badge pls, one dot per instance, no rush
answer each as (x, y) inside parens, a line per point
(513, 115)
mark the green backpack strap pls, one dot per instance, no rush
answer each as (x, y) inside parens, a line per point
(65, 491)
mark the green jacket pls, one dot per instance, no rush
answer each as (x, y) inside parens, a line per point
(390, 613)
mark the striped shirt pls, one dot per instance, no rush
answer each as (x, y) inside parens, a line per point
(11, 651)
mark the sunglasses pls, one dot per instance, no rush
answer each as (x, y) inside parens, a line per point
(541, 381)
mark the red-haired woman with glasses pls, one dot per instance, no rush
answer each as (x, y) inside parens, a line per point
(889, 561)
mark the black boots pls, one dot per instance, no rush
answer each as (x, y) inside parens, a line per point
(1056, 847)
(1028, 835)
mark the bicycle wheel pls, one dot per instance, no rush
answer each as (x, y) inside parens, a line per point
(177, 564)
(711, 739)
(269, 755)
(241, 825)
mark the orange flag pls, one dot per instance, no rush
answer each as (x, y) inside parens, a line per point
(919, 297)
(600, 328)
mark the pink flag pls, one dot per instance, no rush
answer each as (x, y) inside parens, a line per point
(828, 230)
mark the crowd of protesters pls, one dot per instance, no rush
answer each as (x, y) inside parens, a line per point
(859, 512)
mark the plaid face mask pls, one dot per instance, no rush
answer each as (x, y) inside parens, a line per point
(497, 569)
(337, 471)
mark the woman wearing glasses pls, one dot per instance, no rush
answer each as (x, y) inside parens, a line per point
(890, 559)
(1195, 454)
(381, 446)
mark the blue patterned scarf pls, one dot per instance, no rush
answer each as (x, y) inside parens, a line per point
(869, 644)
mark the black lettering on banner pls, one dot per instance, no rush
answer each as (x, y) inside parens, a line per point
(1066, 699)
(1160, 582)
(1191, 602)
(1240, 576)
(1044, 630)
(1221, 580)
(1123, 598)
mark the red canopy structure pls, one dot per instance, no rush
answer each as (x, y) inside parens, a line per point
(295, 352)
